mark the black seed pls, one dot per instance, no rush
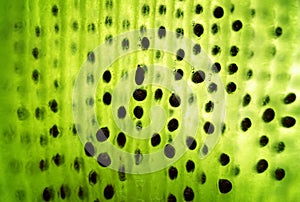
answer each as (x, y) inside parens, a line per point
(108, 39)
(162, 9)
(263, 140)
(218, 12)
(261, 166)
(224, 159)
(121, 112)
(75, 26)
(188, 194)
(108, 21)
(90, 79)
(230, 88)
(77, 163)
(279, 173)
(91, 56)
(19, 26)
(232, 68)
(178, 74)
(54, 131)
(237, 25)
(64, 191)
(246, 124)
(44, 165)
(145, 9)
(55, 83)
(139, 75)
(53, 105)
(173, 172)
(145, 43)
(43, 140)
(290, 98)
(93, 176)
(109, 191)
(209, 107)
(214, 28)
(203, 178)
(121, 139)
(91, 27)
(102, 134)
(56, 29)
(232, 8)
(125, 44)
(288, 122)
(198, 9)
(252, 12)
(223, 128)
(268, 115)
(74, 130)
(161, 32)
(198, 76)
(209, 128)
(191, 143)
(37, 31)
(89, 149)
(179, 32)
(212, 88)
(35, 53)
(234, 51)
(169, 151)
(174, 100)
(196, 49)
(158, 94)
(58, 159)
(180, 54)
(171, 198)
(143, 29)
(106, 76)
(109, 4)
(121, 172)
(104, 159)
(54, 10)
(22, 113)
(179, 13)
(81, 194)
(278, 31)
(125, 24)
(35, 75)
(191, 98)
(172, 125)
(155, 140)
(48, 194)
(138, 157)
(216, 50)
(280, 147)
(139, 125)
(138, 112)
(266, 100)
(225, 186)
(216, 67)
(198, 30)
(246, 100)
(249, 74)
(140, 94)
(205, 149)
(106, 98)
(190, 166)
(236, 171)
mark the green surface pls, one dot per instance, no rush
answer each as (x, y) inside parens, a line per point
(42, 52)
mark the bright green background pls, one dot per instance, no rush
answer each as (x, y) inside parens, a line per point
(61, 55)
